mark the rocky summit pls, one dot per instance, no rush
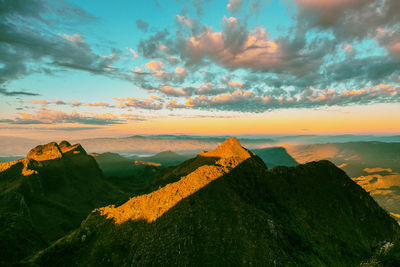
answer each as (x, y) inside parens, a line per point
(225, 208)
(46, 195)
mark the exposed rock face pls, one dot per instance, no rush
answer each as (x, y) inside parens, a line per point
(45, 152)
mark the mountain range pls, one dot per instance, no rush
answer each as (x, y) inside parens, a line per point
(225, 207)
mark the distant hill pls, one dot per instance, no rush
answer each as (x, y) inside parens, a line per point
(373, 165)
(151, 145)
(228, 209)
(47, 194)
(130, 175)
(166, 158)
(8, 159)
(275, 156)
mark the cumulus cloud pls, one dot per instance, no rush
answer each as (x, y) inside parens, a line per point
(154, 65)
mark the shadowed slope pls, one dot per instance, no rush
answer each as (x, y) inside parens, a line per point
(373, 165)
(232, 211)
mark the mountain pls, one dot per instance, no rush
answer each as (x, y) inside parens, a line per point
(227, 209)
(46, 195)
(129, 175)
(275, 156)
(155, 144)
(166, 158)
(113, 164)
(373, 165)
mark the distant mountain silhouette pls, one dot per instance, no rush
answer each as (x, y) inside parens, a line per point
(47, 194)
(275, 156)
(227, 209)
(155, 144)
(166, 158)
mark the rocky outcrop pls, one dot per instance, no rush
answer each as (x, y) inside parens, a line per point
(45, 152)
(46, 195)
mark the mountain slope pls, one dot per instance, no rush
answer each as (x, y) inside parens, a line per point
(46, 195)
(373, 165)
(227, 209)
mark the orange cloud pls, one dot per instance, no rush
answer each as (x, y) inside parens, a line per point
(154, 65)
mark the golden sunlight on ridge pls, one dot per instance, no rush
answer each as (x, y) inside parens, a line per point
(151, 206)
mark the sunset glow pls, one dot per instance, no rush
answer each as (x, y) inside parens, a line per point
(78, 69)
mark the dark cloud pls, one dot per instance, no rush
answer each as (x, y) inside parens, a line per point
(150, 48)
(27, 38)
(6, 92)
(142, 25)
(348, 19)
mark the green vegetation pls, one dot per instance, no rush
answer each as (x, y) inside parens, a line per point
(309, 215)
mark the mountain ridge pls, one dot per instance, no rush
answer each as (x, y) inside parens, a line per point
(309, 215)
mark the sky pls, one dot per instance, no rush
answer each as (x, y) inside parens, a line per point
(216, 67)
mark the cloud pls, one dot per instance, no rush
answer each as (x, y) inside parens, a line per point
(390, 39)
(170, 91)
(150, 48)
(134, 54)
(47, 116)
(180, 71)
(154, 65)
(30, 36)
(247, 101)
(6, 92)
(234, 5)
(40, 102)
(152, 103)
(66, 129)
(142, 25)
(182, 20)
(72, 103)
(349, 19)
(210, 89)
(98, 104)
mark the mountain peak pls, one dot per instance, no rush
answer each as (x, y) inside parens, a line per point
(45, 152)
(231, 147)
